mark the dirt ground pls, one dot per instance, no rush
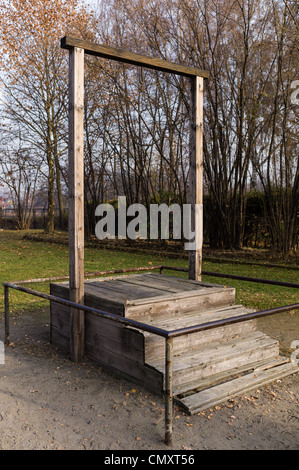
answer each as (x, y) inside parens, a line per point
(48, 402)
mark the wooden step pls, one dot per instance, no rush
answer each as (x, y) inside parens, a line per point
(220, 393)
(155, 345)
(216, 358)
(168, 306)
(189, 388)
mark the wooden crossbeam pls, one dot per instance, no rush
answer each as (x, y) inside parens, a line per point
(120, 55)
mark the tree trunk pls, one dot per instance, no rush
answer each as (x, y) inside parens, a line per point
(51, 201)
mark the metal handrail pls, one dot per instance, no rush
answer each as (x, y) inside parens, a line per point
(236, 277)
(102, 313)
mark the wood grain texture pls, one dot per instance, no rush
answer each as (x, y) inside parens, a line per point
(226, 356)
(147, 310)
(196, 176)
(239, 386)
(110, 344)
(76, 199)
(154, 345)
(201, 360)
(120, 55)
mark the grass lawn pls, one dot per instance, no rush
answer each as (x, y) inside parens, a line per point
(24, 259)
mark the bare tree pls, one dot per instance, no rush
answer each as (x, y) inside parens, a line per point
(20, 172)
(36, 77)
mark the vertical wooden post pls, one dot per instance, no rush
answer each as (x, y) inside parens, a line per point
(76, 199)
(196, 176)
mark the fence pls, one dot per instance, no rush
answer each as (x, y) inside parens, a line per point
(167, 335)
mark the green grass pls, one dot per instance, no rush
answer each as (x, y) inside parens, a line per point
(24, 259)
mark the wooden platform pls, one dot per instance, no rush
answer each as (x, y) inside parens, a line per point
(146, 296)
(203, 361)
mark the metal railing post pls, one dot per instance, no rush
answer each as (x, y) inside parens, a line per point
(168, 390)
(6, 314)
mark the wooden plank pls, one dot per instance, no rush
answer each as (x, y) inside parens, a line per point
(195, 386)
(105, 304)
(149, 309)
(109, 303)
(182, 321)
(120, 55)
(60, 290)
(118, 332)
(156, 286)
(129, 291)
(231, 349)
(196, 176)
(190, 295)
(111, 334)
(108, 335)
(211, 361)
(161, 277)
(60, 340)
(60, 317)
(187, 284)
(221, 393)
(96, 295)
(149, 275)
(141, 374)
(166, 285)
(194, 371)
(113, 278)
(60, 326)
(187, 281)
(155, 347)
(59, 320)
(76, 199)
(97, 290)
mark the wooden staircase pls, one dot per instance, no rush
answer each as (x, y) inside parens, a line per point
(212, 366)
(209, 367)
